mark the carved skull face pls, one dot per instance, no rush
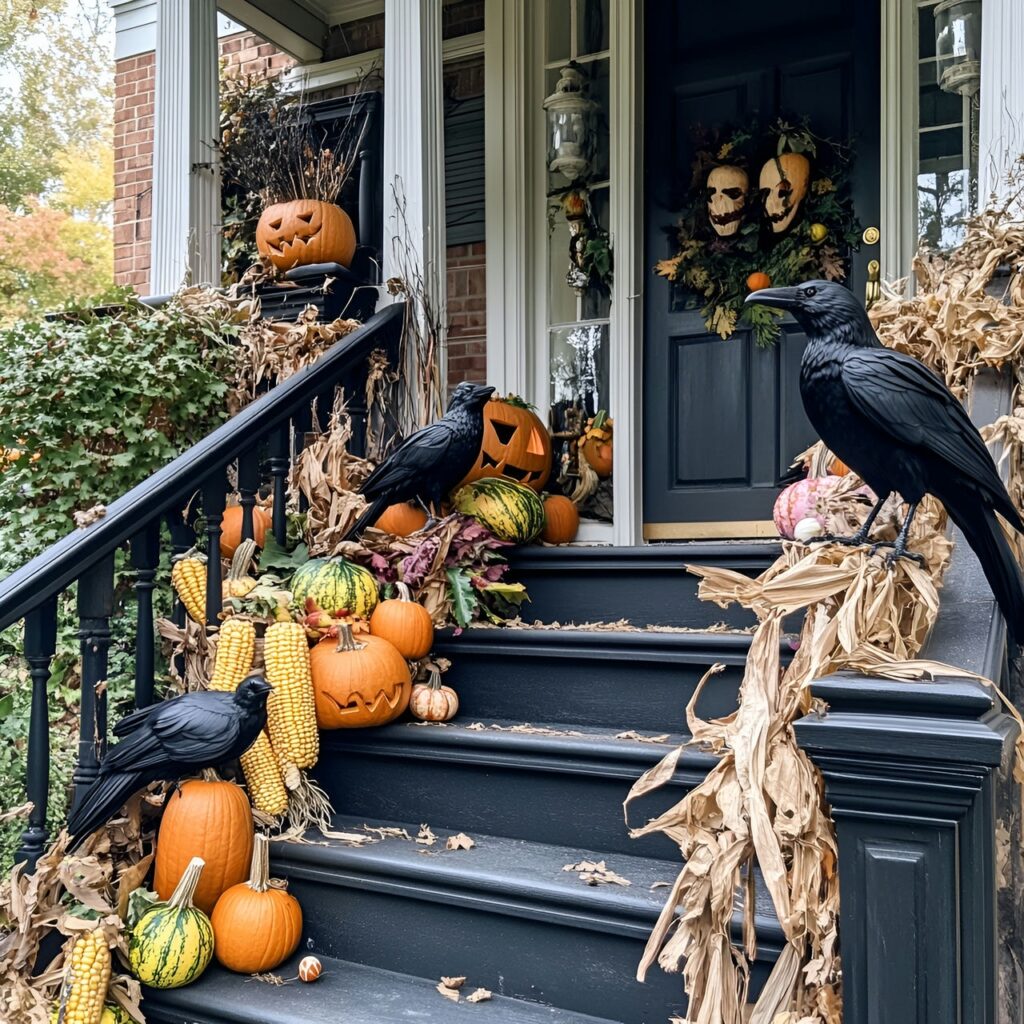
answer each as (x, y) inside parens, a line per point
(727, 196)
(784, 181)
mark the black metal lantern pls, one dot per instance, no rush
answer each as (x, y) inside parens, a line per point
(958, 46)
(570, 123)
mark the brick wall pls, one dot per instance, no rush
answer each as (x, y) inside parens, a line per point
(467, 313)
(133, 169)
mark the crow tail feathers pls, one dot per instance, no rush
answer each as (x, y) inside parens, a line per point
(983, 532)
(100, 802)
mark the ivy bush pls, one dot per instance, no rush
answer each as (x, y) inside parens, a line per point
(90, 405)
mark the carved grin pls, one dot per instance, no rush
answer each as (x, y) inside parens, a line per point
(358, 704)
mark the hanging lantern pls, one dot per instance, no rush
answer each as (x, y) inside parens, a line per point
(958, 46)
(570, 124)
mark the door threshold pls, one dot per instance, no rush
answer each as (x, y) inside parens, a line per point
(759, 529)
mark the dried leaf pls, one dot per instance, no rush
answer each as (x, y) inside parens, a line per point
(596, 873)
(459, 842)
(455, 982)
(448, 993)
(425, 837)
(480, 995)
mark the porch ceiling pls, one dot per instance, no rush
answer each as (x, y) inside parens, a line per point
(298, 27)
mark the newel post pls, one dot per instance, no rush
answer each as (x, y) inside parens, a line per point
(910, 774)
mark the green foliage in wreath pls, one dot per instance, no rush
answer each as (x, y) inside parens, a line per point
(713, 269)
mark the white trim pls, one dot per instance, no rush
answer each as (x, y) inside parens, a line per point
(346, 70)
(506, 103)
(626, 220)
(1001, 124)
(899, 138)
(339, 12)
(278, 31)
(134, 27)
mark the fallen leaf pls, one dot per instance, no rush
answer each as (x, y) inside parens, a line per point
(459, 842)
(448, 993)
(596, 872)
(425, 836)
(481, 995)
(632, 734)
(456, 982)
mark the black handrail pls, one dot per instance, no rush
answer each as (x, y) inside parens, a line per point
(61, 564)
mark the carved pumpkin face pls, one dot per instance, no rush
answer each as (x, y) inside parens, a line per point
(358, 683)
(727, 189)
(305, 231)
(784, 183)
(516, 445)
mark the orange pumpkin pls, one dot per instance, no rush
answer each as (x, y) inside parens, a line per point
(406, 625)
(561, 520)
(305, 231)
(838, 468)
(516, 445)
(432, 702)
(211, 820)
(598, 454)
(402, 519)
(256, 926)
(358, 683)
(231, 528)
(757, 281)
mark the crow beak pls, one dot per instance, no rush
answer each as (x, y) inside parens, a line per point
(778, 298)
(262, 686)
(482, 392)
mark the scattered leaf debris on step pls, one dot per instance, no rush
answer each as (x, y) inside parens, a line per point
(596, 873)
(459, 842)
(387, 832)
(456, 982)
(632, 734)
(425, 836)
(269, 979)
(660, 885)
(481, 995)
(448, 993)
(525, 727)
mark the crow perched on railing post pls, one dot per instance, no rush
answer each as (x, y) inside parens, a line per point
(169, 740)
(430, 462)
(894, 422)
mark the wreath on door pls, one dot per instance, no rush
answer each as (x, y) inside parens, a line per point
(764, 208)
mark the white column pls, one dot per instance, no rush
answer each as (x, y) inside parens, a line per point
(1001, 128)
(414, 144)
(506, 186)
(186, 162)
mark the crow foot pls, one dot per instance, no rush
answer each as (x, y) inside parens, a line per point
(856, 541)
(898, 551)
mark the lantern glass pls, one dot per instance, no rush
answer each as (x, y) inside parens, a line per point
(570, 124)
(958, 45)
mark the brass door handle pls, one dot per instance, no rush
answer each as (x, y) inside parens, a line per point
(873, 289)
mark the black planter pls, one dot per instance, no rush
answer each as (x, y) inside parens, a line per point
(334, 290)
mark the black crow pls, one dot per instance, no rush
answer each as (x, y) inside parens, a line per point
(430, 462)
(894, 422)
(167, 740)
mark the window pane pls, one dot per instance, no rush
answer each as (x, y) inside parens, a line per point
(926, 32)
(939, 107)
(561, 297)
(942, 204)
(592, 26)
(579, 368)
(942, 150)
(558, 29)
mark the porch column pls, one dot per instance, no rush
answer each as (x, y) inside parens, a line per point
(414, 229)
(186, 161)
(1001, 127)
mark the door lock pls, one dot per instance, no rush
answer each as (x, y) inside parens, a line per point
(873, 289)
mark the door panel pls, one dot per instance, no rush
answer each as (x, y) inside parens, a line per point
(723, 419)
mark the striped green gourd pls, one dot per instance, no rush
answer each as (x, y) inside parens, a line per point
(172, 944)
(335, 584)
(509, 510)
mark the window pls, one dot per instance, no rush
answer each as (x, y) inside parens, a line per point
(947, 170)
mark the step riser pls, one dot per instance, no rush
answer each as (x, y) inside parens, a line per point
(566, 808)
(573, 968)
(585, 687)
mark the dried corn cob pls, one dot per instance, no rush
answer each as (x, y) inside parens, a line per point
(89, 976)
(291, 708)
(188, 577)
(236, 643)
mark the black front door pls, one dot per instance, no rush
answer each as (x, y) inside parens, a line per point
(723, 419)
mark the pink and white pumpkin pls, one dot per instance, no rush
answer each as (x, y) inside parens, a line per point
(798, 502)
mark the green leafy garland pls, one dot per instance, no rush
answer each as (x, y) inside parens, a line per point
(715, 269)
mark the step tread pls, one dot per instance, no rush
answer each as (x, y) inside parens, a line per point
(353, 992)
(497, 868)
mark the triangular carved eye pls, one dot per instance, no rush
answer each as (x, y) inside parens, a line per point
(276, 224)
(307, 217)
(536, 445)
(505, 431)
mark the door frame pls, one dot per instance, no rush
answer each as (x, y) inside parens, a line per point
(515, 214)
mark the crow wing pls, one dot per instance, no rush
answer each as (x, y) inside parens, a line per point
(427, 449)
(196, 729)
(131, 722)
(903, 397)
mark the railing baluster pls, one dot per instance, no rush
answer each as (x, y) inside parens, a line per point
(248, 485)
(40, 644)
(95, 606)
(278, 464)
(145, 553)
(302, 422)
(214, 490)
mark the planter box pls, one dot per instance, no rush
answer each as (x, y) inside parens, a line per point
(333, 289)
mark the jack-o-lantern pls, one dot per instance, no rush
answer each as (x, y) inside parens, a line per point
(727, 189)
(516, 445)
(358, 682)
(305, 231)
(784, 183)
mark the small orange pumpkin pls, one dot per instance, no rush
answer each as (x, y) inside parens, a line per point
(231, 528)
(838, 468)
(212, 820)
(402, 519)
(305, 231)
(561, 520)
(256, 925)
(404, 623)
(516, 445)
(432, 702)
(358, 683)
(757, 281)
